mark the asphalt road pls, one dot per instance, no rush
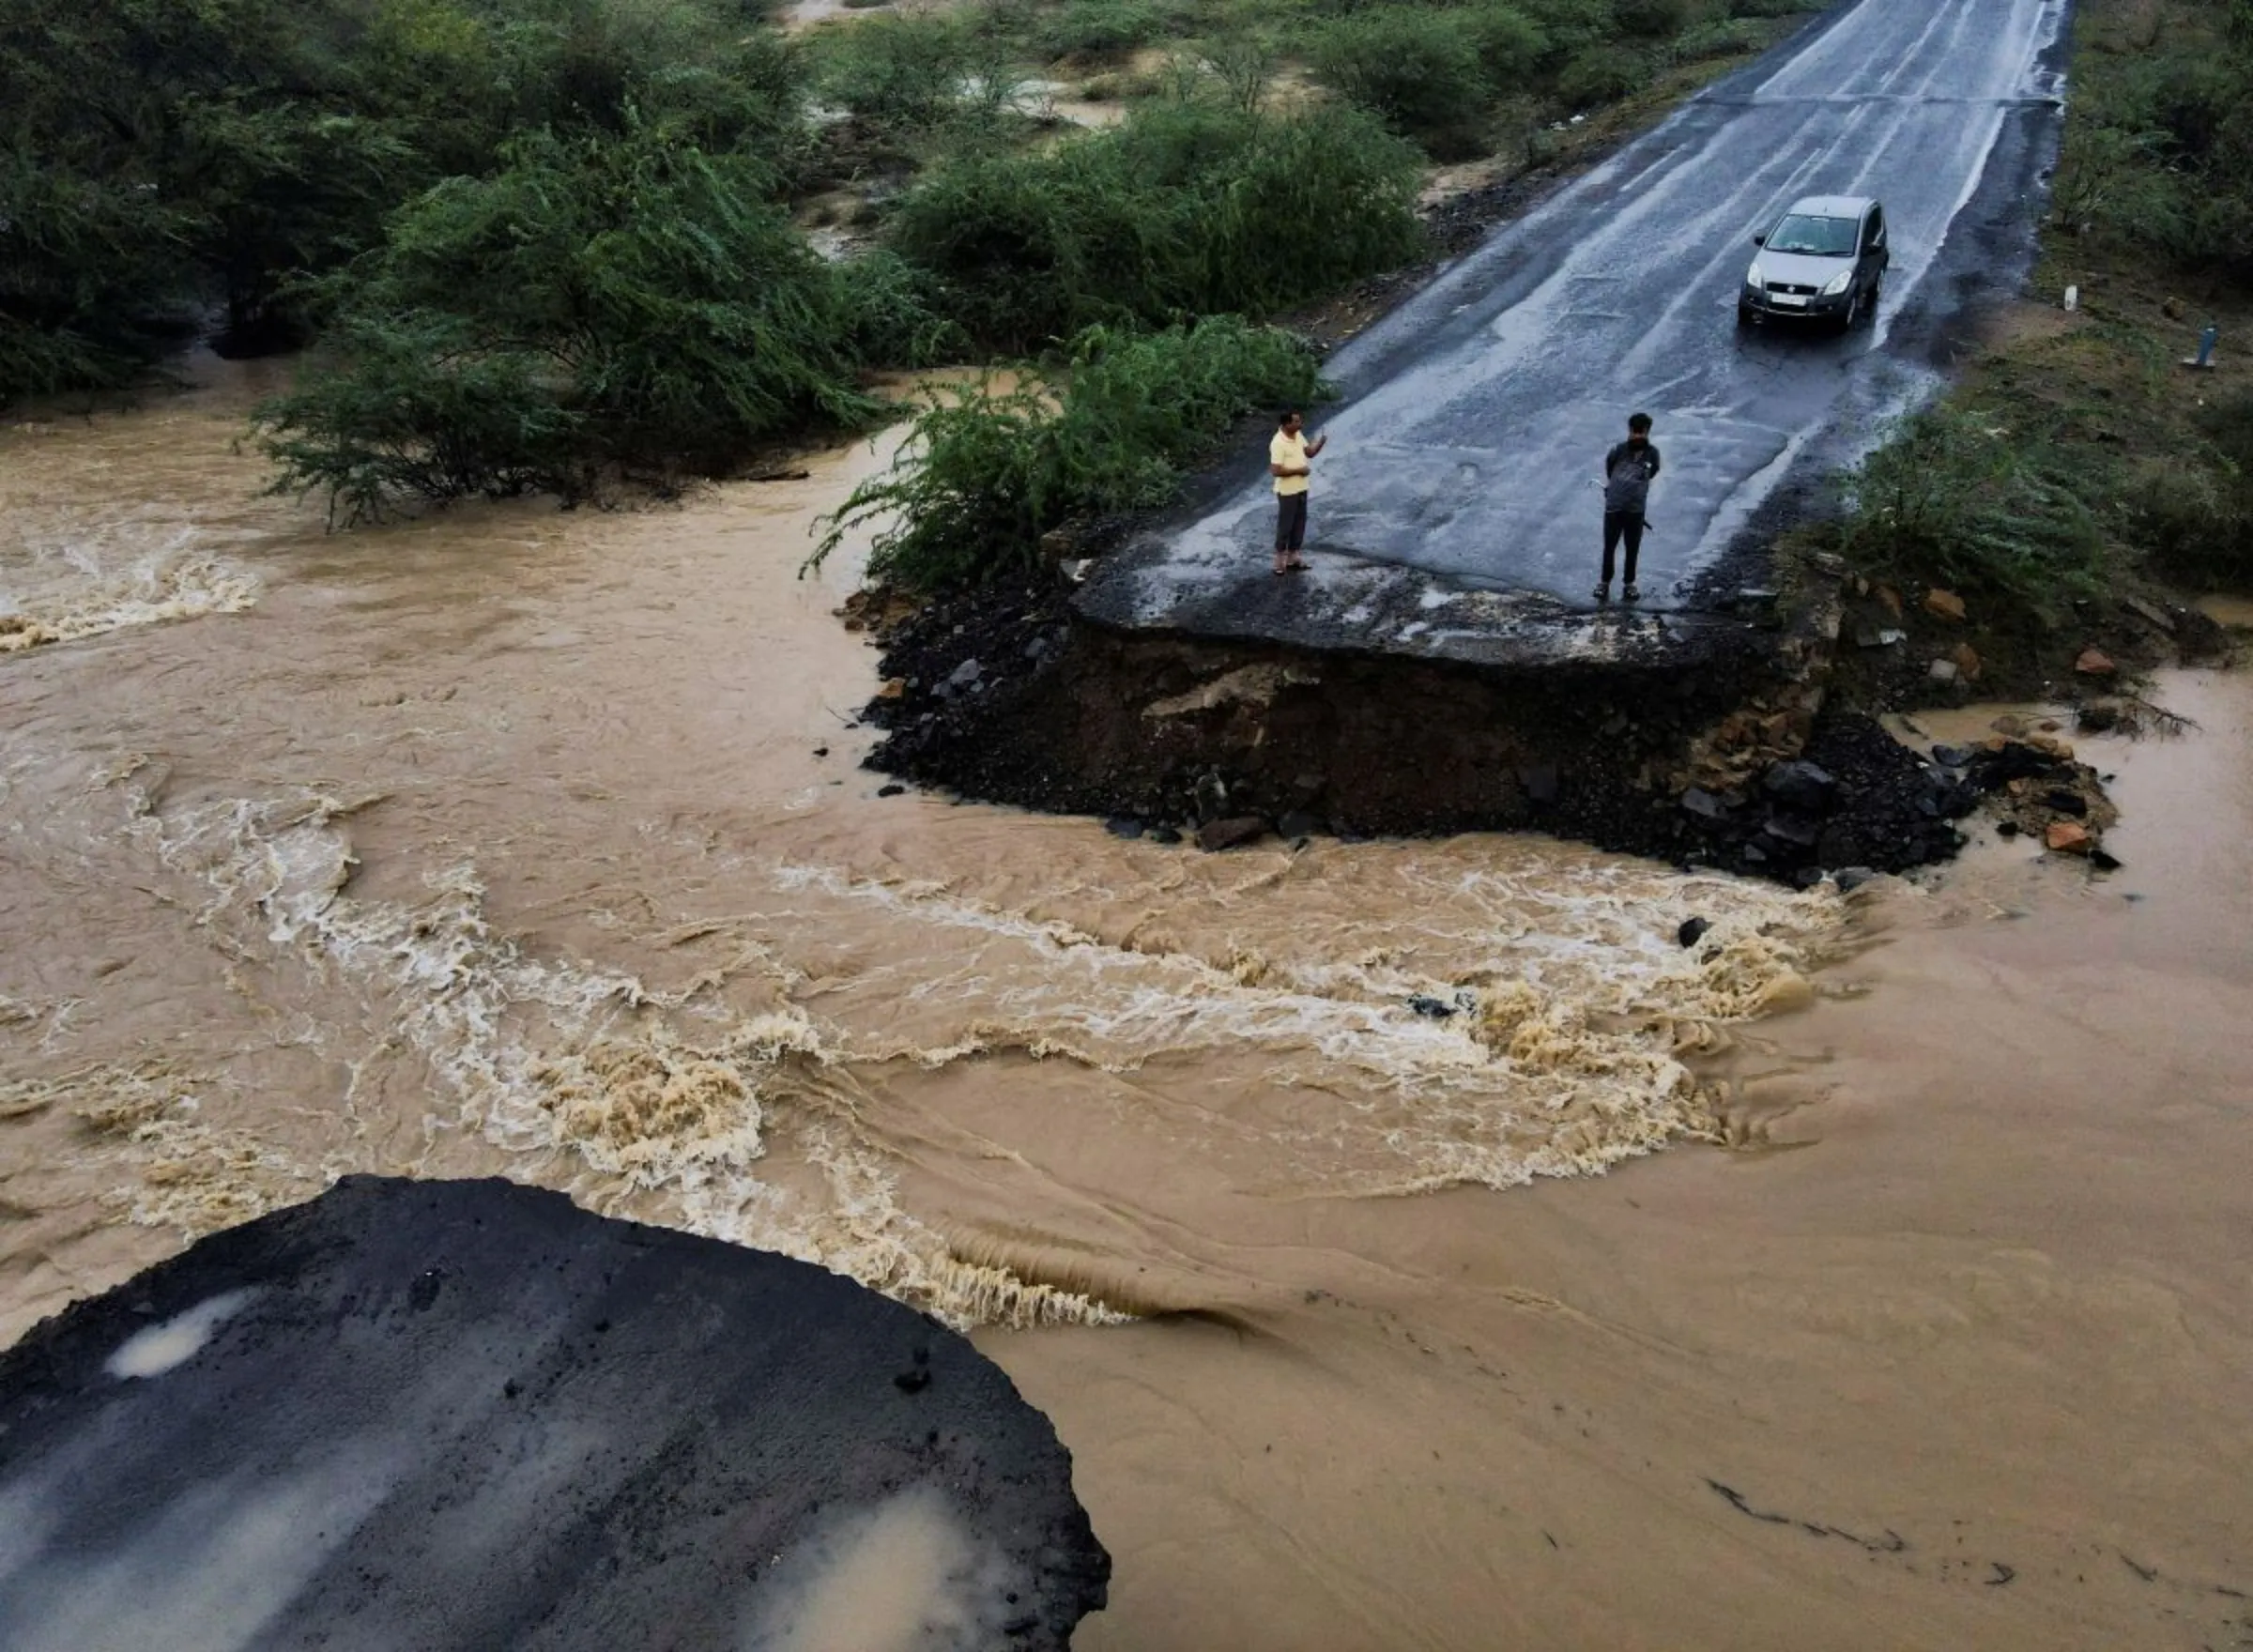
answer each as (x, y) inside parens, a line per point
(1458, 493)
(465, 1416)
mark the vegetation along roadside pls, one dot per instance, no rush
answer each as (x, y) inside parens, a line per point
(2041, 531)
(581, 246)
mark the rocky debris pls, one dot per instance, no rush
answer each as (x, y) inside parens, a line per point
(1122, 826)
(2035, 786)
(1236, 830)
(2150, 613)
(1722, 763)
(1944, 671)
(2094, 663)
(1945, 604)
(1440, 1009)
(1800, 784)
(877, 610)
(1856, 798)
(1968, 663)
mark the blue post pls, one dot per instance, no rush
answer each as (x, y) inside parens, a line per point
(2206, 340)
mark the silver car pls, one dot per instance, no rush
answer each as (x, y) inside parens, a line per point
(1824, 260)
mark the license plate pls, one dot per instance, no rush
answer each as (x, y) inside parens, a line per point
(1796, 300)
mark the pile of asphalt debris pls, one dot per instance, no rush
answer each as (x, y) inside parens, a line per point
(967, 677)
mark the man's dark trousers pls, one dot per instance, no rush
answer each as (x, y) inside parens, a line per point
(1618, 524)
(1289, 522)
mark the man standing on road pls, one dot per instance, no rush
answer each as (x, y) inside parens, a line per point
(1627, 472)
(1289, 456)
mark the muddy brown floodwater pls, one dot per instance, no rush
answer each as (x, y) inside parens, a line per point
(534, 843)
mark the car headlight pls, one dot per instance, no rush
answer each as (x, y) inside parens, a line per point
(1837, 283)
(1752, 276)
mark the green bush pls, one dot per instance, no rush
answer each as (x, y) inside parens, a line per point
(598, 308)
(1098, 29)
(2192, 510)
(1651, 20)
(1418, 70)
(1572, 26)
(985, 473)
(1513, 48)
(1602, 74)
(1723, 38)
(1955, 498)
(1187, 209)
(895, 71)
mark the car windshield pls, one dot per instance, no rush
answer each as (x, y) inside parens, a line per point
(1822, 238)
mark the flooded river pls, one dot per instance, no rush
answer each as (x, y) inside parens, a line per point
(530, 843)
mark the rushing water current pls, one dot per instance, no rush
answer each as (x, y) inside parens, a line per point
(510, 841)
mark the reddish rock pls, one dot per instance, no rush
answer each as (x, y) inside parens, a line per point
(893, 688)
(2068, 838)
(1944, 605)
(1968, 663)
(1890, 598)
(2094, 663)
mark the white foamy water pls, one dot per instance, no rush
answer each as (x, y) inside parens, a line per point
(517, 845)
(63, 581)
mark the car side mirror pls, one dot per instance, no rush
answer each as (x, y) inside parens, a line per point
(1759, 241)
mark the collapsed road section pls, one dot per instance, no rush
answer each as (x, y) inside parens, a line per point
(470, 1414)
(1439, 664)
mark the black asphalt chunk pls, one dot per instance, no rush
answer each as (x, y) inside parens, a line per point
(468, 1414)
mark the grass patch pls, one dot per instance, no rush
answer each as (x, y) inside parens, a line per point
(2078, 464)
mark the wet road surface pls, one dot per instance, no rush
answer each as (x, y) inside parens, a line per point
(1458, 499)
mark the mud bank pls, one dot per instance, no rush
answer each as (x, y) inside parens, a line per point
(468, 1413)
(1720, 754)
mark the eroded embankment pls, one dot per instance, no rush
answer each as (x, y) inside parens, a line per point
(1718, 753)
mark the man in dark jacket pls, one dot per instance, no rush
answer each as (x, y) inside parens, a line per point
(1627, 472)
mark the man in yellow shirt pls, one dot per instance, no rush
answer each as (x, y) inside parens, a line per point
(1289, 456)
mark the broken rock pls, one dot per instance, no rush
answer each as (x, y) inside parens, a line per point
(1944, 605)
(1238, 829)
(2068, 838)
(2094, 663)
(1803, 785)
